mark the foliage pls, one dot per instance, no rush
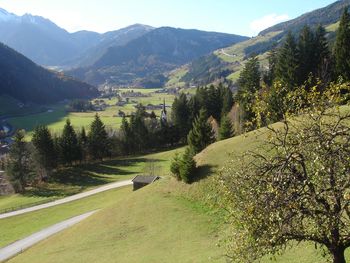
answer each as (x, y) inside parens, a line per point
(297, 186)
(19, 162)
(45, 152)
(80, 105)
(98, 141)
(201, 134)
(180, 115)
(69, 148)
(187, 166)
(248, 85)
(341, 48)
(226, 128)
(175, 166)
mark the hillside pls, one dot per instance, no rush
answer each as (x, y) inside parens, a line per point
(22, 79)
(145, 60)
(170, 214)
(232, 59)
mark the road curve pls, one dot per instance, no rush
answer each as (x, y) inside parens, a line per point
(19, 246)
(67, 199)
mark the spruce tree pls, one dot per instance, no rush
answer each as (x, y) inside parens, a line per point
(226, 129)
(287, 62)
(98, 141)
(83, 143)
(45, 152)
(70, 150)
(341, 48)
(187, 166)
(227, 100)
(181, 116)
(324, 65)
(248, 85)
(18, 165)
(307, 55)
(201, 134)
(127, 137)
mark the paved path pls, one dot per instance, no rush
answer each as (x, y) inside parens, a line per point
(67, 199)
(19, 246)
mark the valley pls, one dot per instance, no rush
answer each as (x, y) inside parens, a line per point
(175, 132)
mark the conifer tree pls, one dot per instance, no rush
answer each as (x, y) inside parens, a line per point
(98, 141)
(181, 116)
(83, 143)
(324, 70)
(18, 166)
(227, 100)
(248, 85)
(341, 48)
(127, 137)
(70, 149)
(187, 166)
(201, 134)
(287, 62)
(307, 54)
(45, 152)
(226, 129)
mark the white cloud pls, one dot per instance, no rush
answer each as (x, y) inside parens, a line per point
(266, 21)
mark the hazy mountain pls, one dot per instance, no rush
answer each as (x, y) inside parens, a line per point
(47, 44)
(144, 60)
(228, 62)
(110, 39)
(22, 79)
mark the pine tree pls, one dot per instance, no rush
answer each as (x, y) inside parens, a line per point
(127, 137)
(226, 129)
(248, 85)
(227, 100)
(307, 55)
(187, 166)
(45, 152)
(98, 141)
(70, 150)
(83, 143)
(201, 134)
(18, 166)
(324, 70)
(341, 48)
(287, 62)
(181, 116)
(139, 131)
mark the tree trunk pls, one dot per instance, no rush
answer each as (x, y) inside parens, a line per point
(338, 255)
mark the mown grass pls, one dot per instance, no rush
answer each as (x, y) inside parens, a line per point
(81, 178)
(18, 227)
(153, 224)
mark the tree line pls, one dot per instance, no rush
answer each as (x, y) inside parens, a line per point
(304, 61)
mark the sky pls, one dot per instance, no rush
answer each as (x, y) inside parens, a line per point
(243, 17)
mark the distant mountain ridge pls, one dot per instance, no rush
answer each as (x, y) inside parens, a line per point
(145, 60)
(47, 44)
(22, 79)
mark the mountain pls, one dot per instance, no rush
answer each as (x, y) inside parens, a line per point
(145, 60)
(228, 62)
(22, 79)
(110, 39)
(47, 44)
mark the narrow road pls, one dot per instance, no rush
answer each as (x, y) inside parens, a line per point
(19, 246)
(67, 199)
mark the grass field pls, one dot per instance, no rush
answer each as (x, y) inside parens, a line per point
(85, 177)
(151, 225)
(56, 117)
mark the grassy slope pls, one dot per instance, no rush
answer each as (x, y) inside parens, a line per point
(151, 225)
(81, 178)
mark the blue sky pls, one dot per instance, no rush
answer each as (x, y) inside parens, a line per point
(245, 17)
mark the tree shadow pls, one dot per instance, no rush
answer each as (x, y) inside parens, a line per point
(202, 172)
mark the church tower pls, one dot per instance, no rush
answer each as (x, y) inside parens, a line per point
(163, 115)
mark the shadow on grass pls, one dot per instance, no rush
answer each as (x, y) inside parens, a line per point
(203, 172)
(72, 180)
